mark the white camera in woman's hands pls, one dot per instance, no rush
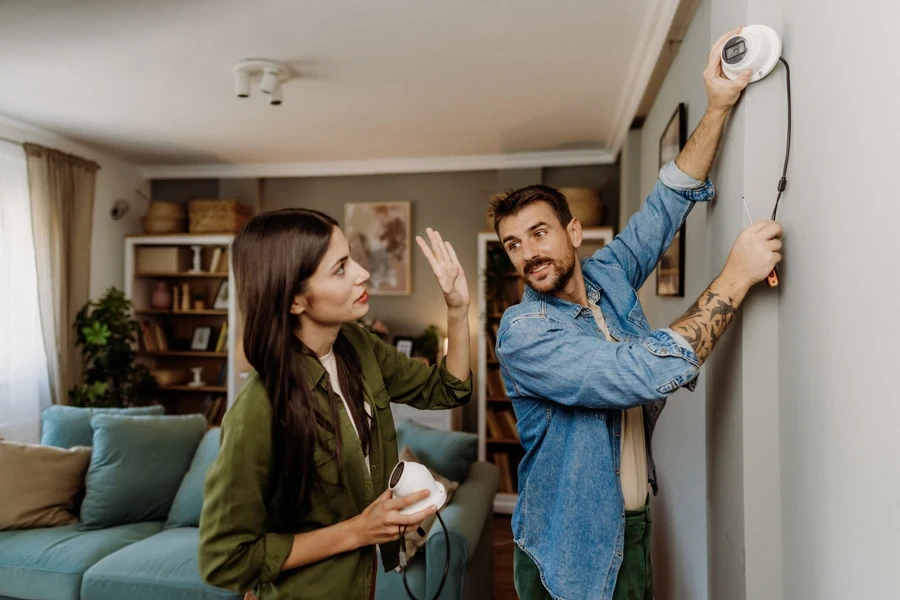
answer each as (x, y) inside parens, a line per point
(409, 478)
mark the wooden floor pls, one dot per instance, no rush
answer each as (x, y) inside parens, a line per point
(504, 589)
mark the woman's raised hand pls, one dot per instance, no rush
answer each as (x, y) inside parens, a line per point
(447, 270)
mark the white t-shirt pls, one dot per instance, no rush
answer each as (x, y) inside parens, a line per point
(330, 364)
(633, 450)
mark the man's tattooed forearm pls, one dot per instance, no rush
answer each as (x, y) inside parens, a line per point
(705, 322)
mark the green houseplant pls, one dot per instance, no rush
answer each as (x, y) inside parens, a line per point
(107, 333)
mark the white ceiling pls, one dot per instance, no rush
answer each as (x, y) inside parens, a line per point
(378, 79)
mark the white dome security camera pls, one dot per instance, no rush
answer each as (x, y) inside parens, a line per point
(756, 47)
(409, 478)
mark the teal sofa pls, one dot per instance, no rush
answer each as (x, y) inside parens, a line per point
(157, 559)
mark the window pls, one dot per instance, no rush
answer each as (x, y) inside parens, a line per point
(24, 385)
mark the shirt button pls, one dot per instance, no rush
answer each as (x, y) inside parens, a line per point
(618, 554)
(617, 472)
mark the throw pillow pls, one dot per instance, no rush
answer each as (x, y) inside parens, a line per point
(136, 467)
(69, 426)
(39, 484)
(414, 541)
(450, 453)
(189, 500)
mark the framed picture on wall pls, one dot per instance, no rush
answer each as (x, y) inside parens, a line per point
(670, 270)
(379, 236)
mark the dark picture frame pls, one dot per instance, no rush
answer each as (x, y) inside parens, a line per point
(671, 267)
(404, 345)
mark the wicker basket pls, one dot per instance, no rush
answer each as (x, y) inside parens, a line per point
(217, 216)
(164, 217)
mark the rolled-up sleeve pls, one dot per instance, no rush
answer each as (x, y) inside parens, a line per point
(587, 371)
(236, 552)
(651, 230)
(675, 179)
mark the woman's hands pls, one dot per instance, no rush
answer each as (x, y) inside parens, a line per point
(447, 270)
(382, 521)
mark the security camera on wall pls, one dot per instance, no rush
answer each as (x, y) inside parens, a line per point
(756, 47)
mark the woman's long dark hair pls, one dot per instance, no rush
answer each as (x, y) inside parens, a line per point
(274, 256)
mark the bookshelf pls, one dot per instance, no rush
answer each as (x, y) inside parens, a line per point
(195, 329)
(499, 287)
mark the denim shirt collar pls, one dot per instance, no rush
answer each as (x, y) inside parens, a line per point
(564, 306)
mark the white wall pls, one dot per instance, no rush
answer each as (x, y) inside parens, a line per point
(838, 311)
(115, 179)
(679, 511)
(801, 407)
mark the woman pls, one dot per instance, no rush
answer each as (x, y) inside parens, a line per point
(297, 498)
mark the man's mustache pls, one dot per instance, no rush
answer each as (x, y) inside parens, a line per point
(534, 263)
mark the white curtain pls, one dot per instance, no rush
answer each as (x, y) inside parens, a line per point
(24, 382)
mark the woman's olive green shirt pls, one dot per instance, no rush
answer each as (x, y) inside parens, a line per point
(243, 543)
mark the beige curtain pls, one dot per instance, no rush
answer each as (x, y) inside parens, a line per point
(61, 188)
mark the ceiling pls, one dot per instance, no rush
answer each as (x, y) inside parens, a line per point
(376, 79)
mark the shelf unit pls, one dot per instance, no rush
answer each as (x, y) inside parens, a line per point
(178, 397)
(498, 288)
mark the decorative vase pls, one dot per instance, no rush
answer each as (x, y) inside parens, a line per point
(162, 296)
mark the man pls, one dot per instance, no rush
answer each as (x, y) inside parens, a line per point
(588, 378)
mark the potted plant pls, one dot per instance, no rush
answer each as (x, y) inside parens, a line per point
(107, 332)
(427, 344)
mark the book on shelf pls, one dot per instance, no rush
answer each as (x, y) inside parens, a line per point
(214, 409)
(494, 383)
(508, 423)
(214, 261)
(505, 483)
(159, 336)
(223, 374)
(493, 426)
(222, 266)
(147, 336)
(222, 342)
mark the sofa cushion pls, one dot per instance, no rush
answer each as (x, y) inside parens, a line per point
(189, 499)
(48, 564)
(450, 453)
(39, 484)
(162, 566)
(136, 467)
(389, 586)
(68, 426)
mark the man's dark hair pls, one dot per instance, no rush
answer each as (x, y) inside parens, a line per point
(514, 201)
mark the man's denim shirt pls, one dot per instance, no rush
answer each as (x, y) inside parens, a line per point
(569, 385)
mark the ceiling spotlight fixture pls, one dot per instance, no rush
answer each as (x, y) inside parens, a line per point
(242, 84)
(275, 95)
(269, 81)
(273, 75)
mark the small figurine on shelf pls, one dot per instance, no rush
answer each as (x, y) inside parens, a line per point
(197, 382)
(196, 268)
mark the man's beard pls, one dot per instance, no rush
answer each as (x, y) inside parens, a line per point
(562, 273)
